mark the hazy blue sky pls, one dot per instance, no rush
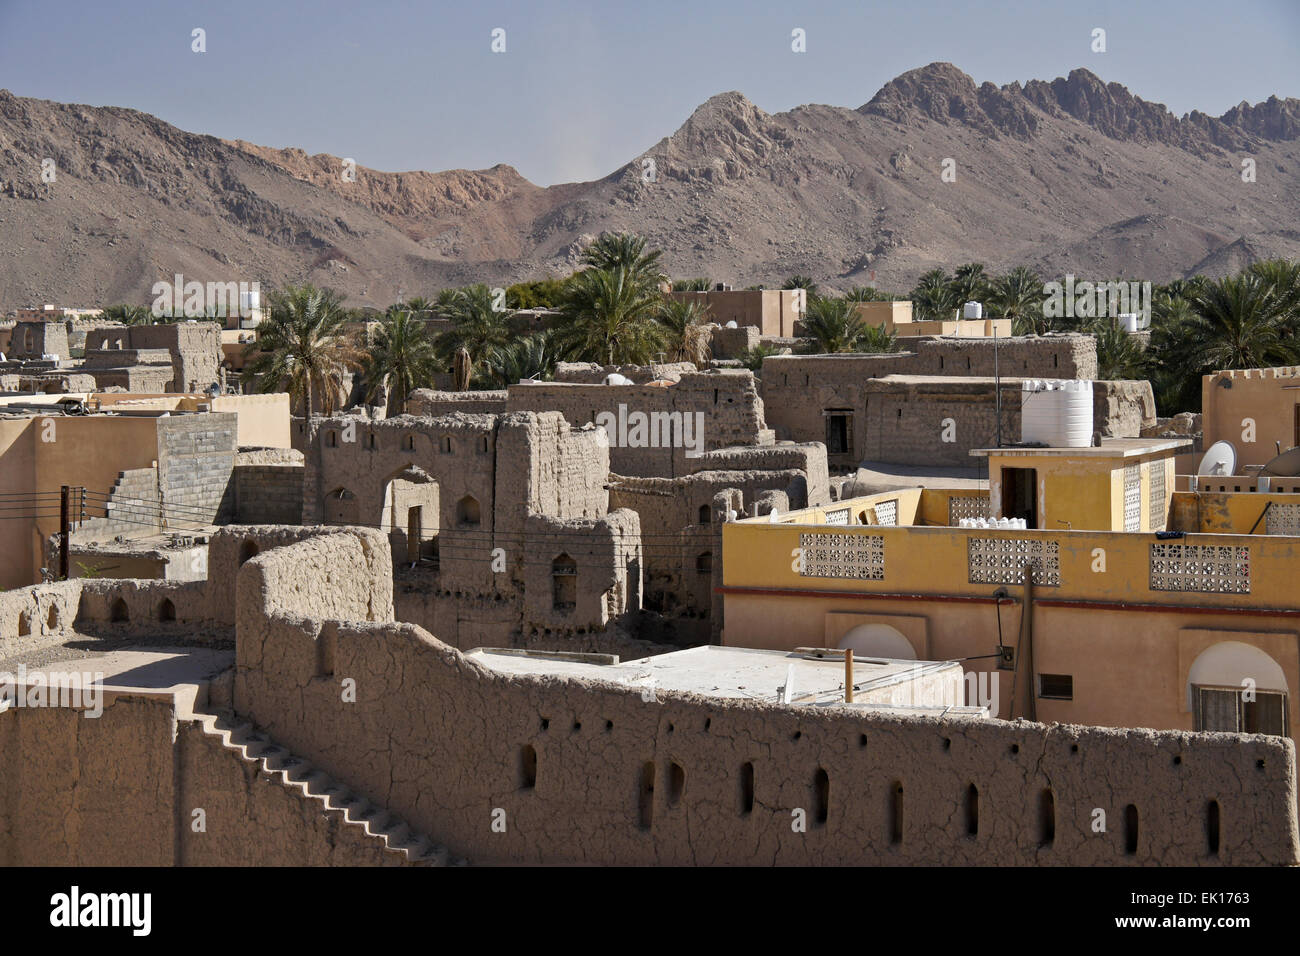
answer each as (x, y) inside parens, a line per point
(585, 87)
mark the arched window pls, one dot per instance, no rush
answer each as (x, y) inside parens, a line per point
(166, 610)
(446, 444)
(247, 550)
(118, 613)
(706, 514)
(467, 512)
(564, 583)
(704, 562)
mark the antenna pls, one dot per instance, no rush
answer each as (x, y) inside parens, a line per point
(997, 390)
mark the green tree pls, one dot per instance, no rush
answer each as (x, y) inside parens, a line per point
(692, 285)
(128, 314)
(304, 347)
(1018, 296)
(934, 296)
(533, 356)
(686, 331)
(476, 326)
(545, 293)
(1240, 322)
(1119, 356)
(610, 317)
(801, 282)
(970, 283)
(834, 325)
(753, 358)
(402, 359)
(621, 250)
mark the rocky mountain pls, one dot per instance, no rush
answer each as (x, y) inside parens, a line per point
(1072, 175)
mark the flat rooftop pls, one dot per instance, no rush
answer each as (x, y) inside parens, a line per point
(1109, 448)
(730, 673)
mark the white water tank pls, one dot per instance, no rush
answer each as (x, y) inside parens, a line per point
(1056, 413)
(1128, 321)
(613, 378)
(972, 310)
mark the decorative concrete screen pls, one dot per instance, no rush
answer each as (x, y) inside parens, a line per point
(1209, 568)
(1156, 508)
(838, 516)
(968, 507)
(1132, 498)
(855, 556)
(1283, 519)
(887, 512)
(1002, 561)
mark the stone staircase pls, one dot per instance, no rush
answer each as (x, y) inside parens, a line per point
(333, 799)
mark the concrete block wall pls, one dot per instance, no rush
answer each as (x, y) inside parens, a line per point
(268, 494)
(196, 458)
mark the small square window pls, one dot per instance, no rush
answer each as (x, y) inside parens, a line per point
(1056, 686)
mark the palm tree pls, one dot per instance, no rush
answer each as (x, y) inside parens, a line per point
(1018, 296)
(533, 356)
(420, 306)
(867, 293)
(877, 339)
(692, 285)
(801, 282)
(970, 283)
(753, 359)
(935, 296)
(1282, 276)
(621, 250)
(1238, 322)
(476, 326)
(609, 317)
(304, 347)
(834, 325)
(1119, 356)
(128, 314)
(686, 331)
(402, 359)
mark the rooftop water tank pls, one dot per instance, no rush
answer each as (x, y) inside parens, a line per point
(613, 378)
(1128, 321)
(972, 310)
(1056, 413)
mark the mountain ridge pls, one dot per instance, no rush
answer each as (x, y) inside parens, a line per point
(1069, 174)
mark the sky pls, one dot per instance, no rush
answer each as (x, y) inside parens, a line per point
(584, 87)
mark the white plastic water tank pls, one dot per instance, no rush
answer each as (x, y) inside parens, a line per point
(1128, 321)
(1056, 413)
(614, 378)
(732, 324)
(972, 310)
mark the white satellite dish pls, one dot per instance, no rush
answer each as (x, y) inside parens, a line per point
(1221, 459)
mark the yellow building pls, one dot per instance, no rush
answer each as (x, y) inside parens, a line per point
(1195, 628)
(1257, 410)
(1122, 485)
(896, 317)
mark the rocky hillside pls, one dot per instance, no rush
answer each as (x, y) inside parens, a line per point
(1069, 175)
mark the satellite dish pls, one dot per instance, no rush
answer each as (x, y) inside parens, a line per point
(1221, 459)
(1285, 465)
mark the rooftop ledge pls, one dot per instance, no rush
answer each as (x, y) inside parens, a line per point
(1109, 448)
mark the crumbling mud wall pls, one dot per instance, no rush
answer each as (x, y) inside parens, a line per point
(123, 788)
(924, 420)
(578, 771)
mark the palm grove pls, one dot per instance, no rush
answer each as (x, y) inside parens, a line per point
(613, 312)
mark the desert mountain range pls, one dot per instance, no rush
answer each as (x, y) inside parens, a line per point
(1072, 175)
